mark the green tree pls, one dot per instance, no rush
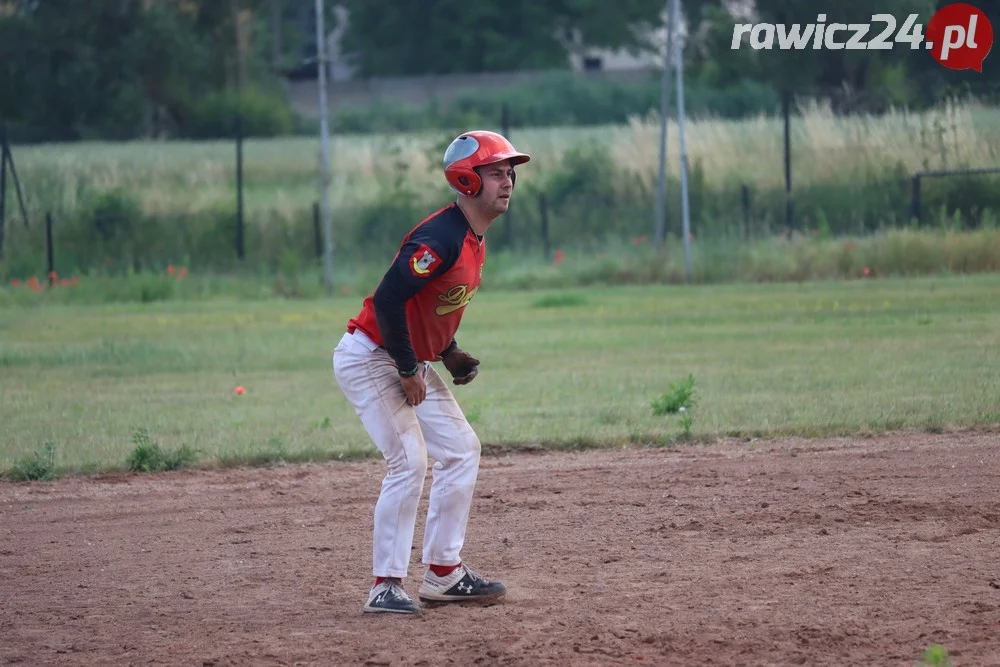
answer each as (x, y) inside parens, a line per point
(64, 74)
(882, 76)
(414, 37)
(118, 69)
(933, 81)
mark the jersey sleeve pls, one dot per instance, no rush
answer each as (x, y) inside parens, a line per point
(427, 253)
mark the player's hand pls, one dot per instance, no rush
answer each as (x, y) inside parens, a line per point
(462, 366)
(415, 388)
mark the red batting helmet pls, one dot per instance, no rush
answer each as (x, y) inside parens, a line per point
(475, 149)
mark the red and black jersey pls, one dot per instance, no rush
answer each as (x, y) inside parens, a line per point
(416, 308)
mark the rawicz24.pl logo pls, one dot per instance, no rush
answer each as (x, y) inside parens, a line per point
(959, 36)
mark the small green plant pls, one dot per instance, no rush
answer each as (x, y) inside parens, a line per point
(40, 466)
(680, 395)
(686, 421)
(678, 400)
(148, 456)
(936, 656)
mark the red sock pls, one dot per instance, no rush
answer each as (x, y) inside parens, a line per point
(444, 570)
(378, 580)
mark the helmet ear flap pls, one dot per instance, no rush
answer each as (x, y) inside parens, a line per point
(465, 180)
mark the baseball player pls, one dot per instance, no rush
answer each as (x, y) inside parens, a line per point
(382, 364)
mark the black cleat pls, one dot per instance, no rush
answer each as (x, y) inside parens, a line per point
(461, 585)
(389, 597)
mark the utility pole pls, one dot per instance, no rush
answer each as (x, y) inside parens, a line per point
(660, 228)
(675, 21)
(324, 152)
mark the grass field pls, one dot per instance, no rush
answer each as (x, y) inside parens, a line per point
(570, 367)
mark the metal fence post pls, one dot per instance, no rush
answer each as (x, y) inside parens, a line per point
(745, 197)
(317, 231)
(3, 184)
(543, 214)
(786, 112)
(240, 241)
(49, 250)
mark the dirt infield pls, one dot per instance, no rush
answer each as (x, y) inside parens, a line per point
(841, 551)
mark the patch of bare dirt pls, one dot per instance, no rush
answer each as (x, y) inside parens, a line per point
(839, 551)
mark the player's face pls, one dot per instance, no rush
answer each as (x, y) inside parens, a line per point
(498, 184)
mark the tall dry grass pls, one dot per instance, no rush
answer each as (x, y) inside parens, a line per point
(282, 175)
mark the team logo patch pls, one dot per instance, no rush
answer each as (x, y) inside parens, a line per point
(423, 261)
(457, 298)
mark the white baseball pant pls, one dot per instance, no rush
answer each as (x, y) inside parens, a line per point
(405, 435)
